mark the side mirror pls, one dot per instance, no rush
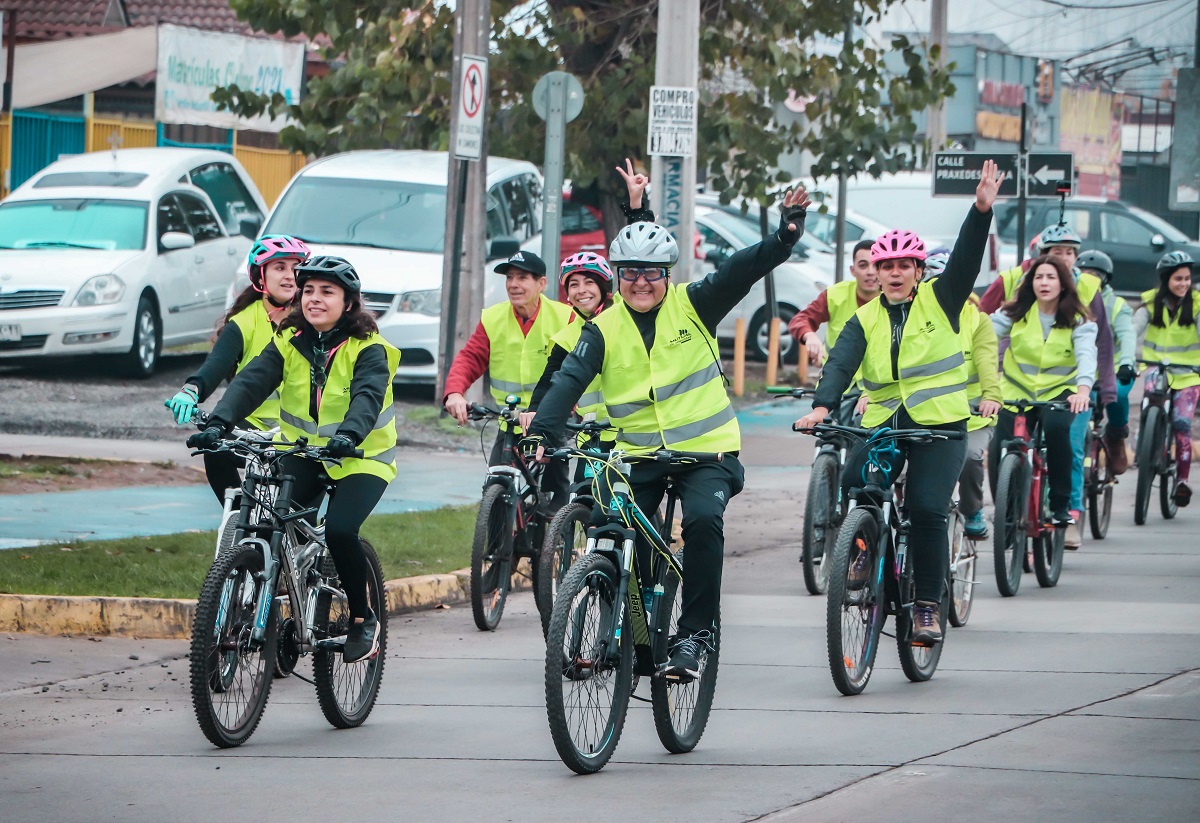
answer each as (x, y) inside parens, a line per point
(173, 240)
(505, 246)
(1158, 242)
(714, 256)
(249, 226)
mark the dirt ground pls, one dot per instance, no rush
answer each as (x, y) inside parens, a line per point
(28, 475)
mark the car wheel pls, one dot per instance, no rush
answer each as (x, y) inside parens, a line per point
(758, 335)
(142, 357)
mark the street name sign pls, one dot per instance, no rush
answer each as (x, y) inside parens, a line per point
(956, 173)
(1044, 171)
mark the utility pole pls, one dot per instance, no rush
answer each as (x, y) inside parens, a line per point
(462, 278)
(673, 179)
(935, 118)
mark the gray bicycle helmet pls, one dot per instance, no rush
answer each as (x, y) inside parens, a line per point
(645, 244)
(1058, 235)
(1173, 260)
(334, 269)
(1097, 261)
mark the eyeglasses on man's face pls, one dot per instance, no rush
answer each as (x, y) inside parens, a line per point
(630, 274)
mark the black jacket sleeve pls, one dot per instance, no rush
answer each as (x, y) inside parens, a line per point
(221, 361)
(578, 370)
(844, 360)
(962, 268)
(557, 355)
(716, 295)
(368, 388)
(250, 387)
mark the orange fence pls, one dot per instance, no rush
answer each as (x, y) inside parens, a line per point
(271, 169)
(104, 132)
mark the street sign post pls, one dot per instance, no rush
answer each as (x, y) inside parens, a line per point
(956, 173)
(557, 99)
(468, 134)
(1044, 171)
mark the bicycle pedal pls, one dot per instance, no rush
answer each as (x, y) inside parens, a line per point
(331, 643)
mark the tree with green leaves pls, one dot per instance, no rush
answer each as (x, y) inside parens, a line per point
(388, 84)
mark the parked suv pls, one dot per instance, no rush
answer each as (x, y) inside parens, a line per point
(385, 212)
(1135, 239)
(122, 253)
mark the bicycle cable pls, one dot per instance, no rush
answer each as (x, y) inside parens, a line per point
(881, 454)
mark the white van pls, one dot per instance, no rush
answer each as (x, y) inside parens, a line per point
(385, 212)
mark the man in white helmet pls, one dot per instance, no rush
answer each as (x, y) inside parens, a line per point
(656, 355)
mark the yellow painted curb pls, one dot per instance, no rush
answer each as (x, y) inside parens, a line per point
(153, 618)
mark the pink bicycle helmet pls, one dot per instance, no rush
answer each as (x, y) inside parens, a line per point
(897, 244)
(588, 263)
(274, 247)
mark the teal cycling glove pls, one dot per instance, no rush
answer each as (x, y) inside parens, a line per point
(183, 405)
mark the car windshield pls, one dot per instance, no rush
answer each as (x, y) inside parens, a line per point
(76, 223)
(934, 218)
(1161, 226)
(377, 213)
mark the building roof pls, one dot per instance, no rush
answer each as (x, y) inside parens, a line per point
(60, 19)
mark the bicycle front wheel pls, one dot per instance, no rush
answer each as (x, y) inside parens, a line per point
(566, 540)
(962, 573)
(680, 709)
(919, 662)
(820, 521)
(1008, 539)
(588, 683)
(347, 691)
(1150, 444)
(1100, 491)
(1048, 556)
(1167, 477)
(230, 672)
(854, 610)
(491, 557)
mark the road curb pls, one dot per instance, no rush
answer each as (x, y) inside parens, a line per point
(167, 619)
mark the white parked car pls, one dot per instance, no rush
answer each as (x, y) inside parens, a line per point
(796, 284)
(385, 212)
(123, 253)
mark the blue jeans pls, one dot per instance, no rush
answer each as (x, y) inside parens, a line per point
(1118, 410)
(1079, 428)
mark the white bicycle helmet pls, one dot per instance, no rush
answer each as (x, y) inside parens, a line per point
(643, 244)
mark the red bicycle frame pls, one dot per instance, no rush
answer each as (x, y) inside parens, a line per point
(1034, 526)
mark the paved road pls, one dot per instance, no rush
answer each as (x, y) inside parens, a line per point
(1080, 703)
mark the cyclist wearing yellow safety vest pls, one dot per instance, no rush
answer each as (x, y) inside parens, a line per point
(1051, 356)
(334, 372)
(907, 343)
(247, 328)
(656, 355)
(1170, 317)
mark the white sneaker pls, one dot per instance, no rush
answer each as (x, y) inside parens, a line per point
(1073, 539)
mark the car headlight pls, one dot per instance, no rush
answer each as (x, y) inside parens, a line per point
(422, 302)
(100, 291)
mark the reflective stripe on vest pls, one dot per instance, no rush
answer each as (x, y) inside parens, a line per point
(1173, 343)
(257, 331)
(1036, 367)
(517, 360)
(932, 382)
(672, 396)
(969, 322)
(379, 446)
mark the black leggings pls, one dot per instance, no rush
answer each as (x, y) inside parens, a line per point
(222, 471)
(353, 498)
(1056, 428)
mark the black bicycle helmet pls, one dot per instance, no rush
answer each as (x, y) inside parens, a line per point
(1096, 261)
(334, 269)
(1173, 260)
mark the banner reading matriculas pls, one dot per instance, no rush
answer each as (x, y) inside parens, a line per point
(191, 63)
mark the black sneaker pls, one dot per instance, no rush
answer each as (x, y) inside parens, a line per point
(1062, 518)
(927, 629)
(687, 657)
(362, 641)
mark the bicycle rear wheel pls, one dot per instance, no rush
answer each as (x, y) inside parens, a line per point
(1100, 491)
(231, 673)
(680, 709)
(347, 691)
(854, 615)
(1149, 446)
(587, 689)
(820, 521)
(963, 559)
(491, 557)
(566, 540)
(1008, 541)
(1167, 477)
(1048, 556)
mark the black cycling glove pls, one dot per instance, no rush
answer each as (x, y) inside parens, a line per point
(1127, 374)
(207, 439)
(791, 215)
(529, 445)
(340, 446)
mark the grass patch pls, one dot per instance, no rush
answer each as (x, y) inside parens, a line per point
(429, 416)
(174, 565)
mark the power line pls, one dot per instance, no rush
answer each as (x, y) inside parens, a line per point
(1090, 7)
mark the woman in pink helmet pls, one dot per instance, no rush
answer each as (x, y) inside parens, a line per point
(915, 373)
(247, 328)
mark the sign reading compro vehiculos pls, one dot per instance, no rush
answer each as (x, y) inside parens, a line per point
(672, 121)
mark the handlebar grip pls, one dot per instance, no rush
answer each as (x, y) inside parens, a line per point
(357, 453)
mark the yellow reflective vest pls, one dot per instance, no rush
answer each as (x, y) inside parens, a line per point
(516, 359)
(1086, 283)
(592, 401)
(981, 353)
(379, 446)
(1173, 343)
(1036, 367)
(842, 300)
(672, 396)
(257, 331)
(932, 379)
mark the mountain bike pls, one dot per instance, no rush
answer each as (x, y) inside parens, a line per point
(871, 570)
(824, 506)
(963, 556)
(1098, 477)
(1023, 504)
(511, 520)
(1156, 444)
(612, 623)
(237, 632)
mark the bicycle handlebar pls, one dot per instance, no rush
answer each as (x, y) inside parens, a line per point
(833, 430)
(1025, 405)
(590, 427)
(661, 456)
(1168, 365)
(788, 391)
(239, 444)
